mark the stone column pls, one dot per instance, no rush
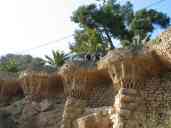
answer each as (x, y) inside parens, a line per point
(74, 87)
(128, 71)
(127, 78)
(125, 108)
(73, 109)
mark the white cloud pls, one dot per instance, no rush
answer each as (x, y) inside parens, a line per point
(28, 23)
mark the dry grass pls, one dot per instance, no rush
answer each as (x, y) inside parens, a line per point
(1, 82)
(10, 88)
(79, 82)
(55, 84)
(35, 84)
(84, 82)
(42, 84)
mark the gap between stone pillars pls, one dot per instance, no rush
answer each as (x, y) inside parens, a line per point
(73, 109)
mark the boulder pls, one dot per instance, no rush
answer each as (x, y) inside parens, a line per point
(99, 119)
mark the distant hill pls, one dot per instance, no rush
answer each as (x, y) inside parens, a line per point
(27, 62)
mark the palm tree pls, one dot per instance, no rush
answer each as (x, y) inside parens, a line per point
(58, 58)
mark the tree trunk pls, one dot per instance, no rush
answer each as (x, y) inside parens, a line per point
(110, 40)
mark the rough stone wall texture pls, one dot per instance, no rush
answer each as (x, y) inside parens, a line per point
(162, 46)
(73, 109)
(104, 95)
(42, 85)
(125, 108)
(32, 114)
(155, 106)
(91, 85)
(96, 119)
(154, 109)
(157, 102)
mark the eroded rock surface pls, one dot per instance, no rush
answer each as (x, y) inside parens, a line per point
(99, 119)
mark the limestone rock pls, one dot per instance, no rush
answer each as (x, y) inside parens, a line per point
(95, 120)
(73, 109)
(45, 105)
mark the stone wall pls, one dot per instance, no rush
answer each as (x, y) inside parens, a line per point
(162, 47)
(155, 106)
(104, 95)
(157, 101)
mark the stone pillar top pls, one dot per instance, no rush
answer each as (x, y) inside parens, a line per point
(79, 82)
(123, 64)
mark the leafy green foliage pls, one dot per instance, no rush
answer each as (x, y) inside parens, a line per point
(9, 66)
(136, 44)
(156, 40)
(114, 21)
(58, 58)
(87, 41)
(26, 62)
(144, 21)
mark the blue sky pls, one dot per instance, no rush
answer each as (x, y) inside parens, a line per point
(25, 24)
(164, 6)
